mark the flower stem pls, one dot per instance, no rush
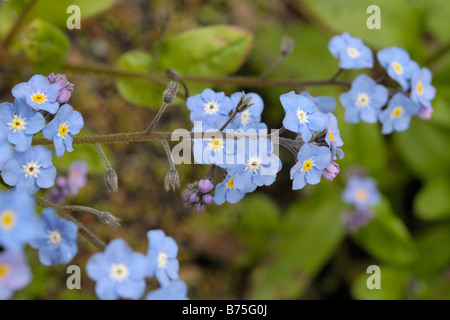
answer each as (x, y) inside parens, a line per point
(16, 27)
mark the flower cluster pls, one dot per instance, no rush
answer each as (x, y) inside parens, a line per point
(55, 239)
(369, 101)
(248, 163)
(362, 193)
(120, 272)
(25, 167)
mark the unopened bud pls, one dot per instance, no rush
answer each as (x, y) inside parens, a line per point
(108, 219)
(172, 74)
(111, 180)
(207, 199)
(205, 185)
(172, 179)
(425, 113)
(287, 45)
(171, 92)
(331, 171)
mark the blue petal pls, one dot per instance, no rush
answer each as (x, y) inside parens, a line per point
(131, 288)
(46, 177)
(105, 289)
(98, 266)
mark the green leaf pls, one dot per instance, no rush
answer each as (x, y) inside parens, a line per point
(425, 148)
(207, 51)
(386, 237)
(138, 91)
(309, 234)
(432, 203)
(433, 255)
(54, 12)
(393, 285)
(351, 16)
(45, 45)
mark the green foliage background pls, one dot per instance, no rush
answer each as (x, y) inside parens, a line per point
(276, 243)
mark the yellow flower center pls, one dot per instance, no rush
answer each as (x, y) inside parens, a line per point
(307, 165)
(230, 183)
(302, 117)
(216, 144)
(7, 219)
(397, 67)
(419, 88)
(4, 271)
(361, 194)
(63, 130)
(397, 112)
(38, 97)
(17, 124)
(331, 136)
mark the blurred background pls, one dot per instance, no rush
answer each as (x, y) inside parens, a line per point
(276, 243)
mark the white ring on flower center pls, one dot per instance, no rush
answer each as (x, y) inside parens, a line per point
(302, 117)
(211, 107)
(362, 100)
(54, 237)
(245, 116)
(162, 260)
(352, 52)
(119, 272)
(31, 169)
(17, 124)
(254, 163)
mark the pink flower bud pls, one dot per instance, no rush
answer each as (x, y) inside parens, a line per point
(331, 171)
(425, 113)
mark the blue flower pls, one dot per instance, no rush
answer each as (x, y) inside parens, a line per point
(18, 221)
(422, 91)
(57, 240)
(30, 170)
(312, 160)
(38, 93)
(118, 271)
(255, 164)
(21, 123)
(15, 274)
(361, 192)
(227, 191)
(209, 107)
(61, 129)
(324, 104)
(251, 115)
(175, 290)
(354, 220)
(162, 257)
(397, 115)
(398, 64)
(351, 52)
(333, 137)
(301, 115)
(364, 100)
(212, 148)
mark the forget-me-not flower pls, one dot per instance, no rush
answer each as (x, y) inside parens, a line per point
(397, 115)
(30, 170)
(38, 93)
(422, 91)
(57, 240)
(312, 160)
(61, 129)
(333, 137)
(118, 271)
(15, 274)
(324, 104)
(162, 257)
(18, 221)
(212, 108)
(361, 192)
(351, 52)
(398, 65)
(364, 100)
(21, 122)
(227, 191)
(301, 115)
